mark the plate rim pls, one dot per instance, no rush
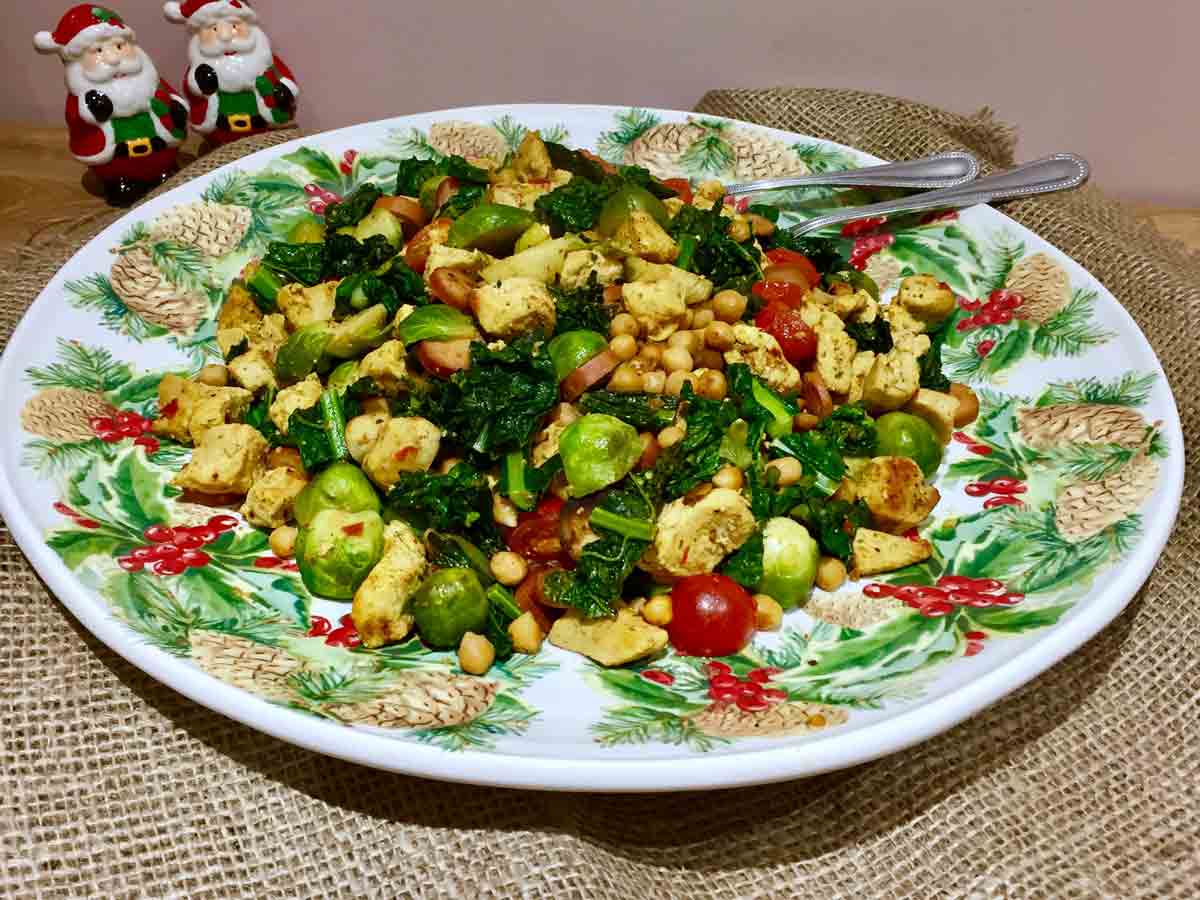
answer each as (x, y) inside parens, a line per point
(499, 769)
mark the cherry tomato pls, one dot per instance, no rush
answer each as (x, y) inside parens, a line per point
(682, 188)
(537, 539)
(711, 615)
(781, 256)
(784, 292)
(526, 596)
(796, 339)
(792, 274)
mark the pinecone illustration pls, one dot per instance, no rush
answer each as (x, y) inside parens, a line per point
(852, 610)
(245, 664)
(884, 269)
(213, 228)
(1043, 283)
(456, 138)
(1085, 508)
(727, 720)
(672, 147)
(140, 285)
(422, 700)
(62, 414)
(1046, 427)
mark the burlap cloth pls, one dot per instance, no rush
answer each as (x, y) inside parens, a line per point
(1084, 784)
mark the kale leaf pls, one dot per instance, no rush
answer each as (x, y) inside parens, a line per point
(575, 206)
(296, 262)
(346, 255)
(818, 454)
(746, 565)
(353, 207)
(408, 285)
(850, 429)
(467, 197)
(832, 523)
(932, 376)
(821, 252)
(573, 161)
(582, 308)
(319, 432)
(459, 501)
(502, 612)
(257, 416)
(524, 483)
(716, 256)
(697, 457)
(412, 173)
(875, 336)
(645, 412)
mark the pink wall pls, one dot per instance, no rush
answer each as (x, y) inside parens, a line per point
(1108, 80)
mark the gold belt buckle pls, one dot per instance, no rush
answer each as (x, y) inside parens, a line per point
(140, 147)
(239, 122)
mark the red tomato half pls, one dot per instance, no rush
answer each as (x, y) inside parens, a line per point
(711, 615)
(784, 292)
(781, 256)
(797, 341)
(682, 187)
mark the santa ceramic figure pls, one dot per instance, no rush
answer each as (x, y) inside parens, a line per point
(124, 121)
(237, 86)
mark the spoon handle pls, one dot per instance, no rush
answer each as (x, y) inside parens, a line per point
(1059, 172)
(943, 170)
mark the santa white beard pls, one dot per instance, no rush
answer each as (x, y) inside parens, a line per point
(237, 72)
(130, 86)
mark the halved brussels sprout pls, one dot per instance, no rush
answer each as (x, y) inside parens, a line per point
(436, 322)
(341, 486)
(337, 550)
(598, 450)
(361, 332)
(572, 349)
(301, 353)
(790, 558)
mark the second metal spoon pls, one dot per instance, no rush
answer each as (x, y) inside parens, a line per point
(941, 171)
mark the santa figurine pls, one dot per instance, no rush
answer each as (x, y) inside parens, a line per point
(237, 86)
(124, 121)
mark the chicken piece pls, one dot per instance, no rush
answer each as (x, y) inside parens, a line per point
(546, 444)
(302, 305)
(520, 194)
(863, 360)
(937, 409)
(227, 460)
(610, 641)
(707, 194)
(673, 205)
(876, 552)
(380, 608)
(841, 305)
(868, 312)
(387, 366)
(407, 444)
(696, 288)
(580, 265)
(910, 342)
(640, 235)
(304, 395)
(441, 256)
(692, 537)
(363, 433)
(513, 307)
(268, 336)
(895, 491)
(532, 159)
(926, 299)
(239, 309)
(901, 320)
(821, 319)
(659, 307)
(188, 409)
(253, 370)
(270, 499)
(893, 380)
(835, 360)
(762, 354)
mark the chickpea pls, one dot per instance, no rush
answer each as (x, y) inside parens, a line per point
(691, 341)
(677, 359)
(768, 614)
(688, 315)
(624, 347)
(475, 654)
(719, 336)
(650, 450)
(739, 229)
(712, 385)
(701, 319)
(676, 381)
(831, 573)
(625, 380)
(213, 376)
(654, 382)
(729, 306)
(657, 610)
(376, 405)
(283, 541)
(652, 354)
(968, 405)
(624, 323)
(503, 511)
(526, 634)
(670, 436)
(728, 477)
(286, 458)
(760, 225)
(805, 421)
(709, 359)
(788, 468)
(508, 568)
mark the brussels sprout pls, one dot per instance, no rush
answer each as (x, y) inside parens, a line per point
(436, 322)
(382, 222)
(337, 550)
(343, 376)
(790, 558)
(903, 434)
(341, 486)
(598, 450)
(492, 227)
(531, 237)
(624, 203)
(361, 332)
(428, 193)
(307, 231)
(301, 353)
(448, 604)
(572, 349)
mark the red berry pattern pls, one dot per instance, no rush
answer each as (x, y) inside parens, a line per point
(321, 198)
(276, 562)
(749, 694)
(346, 166)
(950, 592)
(80, 520)
(999, 309)
(345, 635)
(866, 247)
(863, 227)
(125, 424)
(658, 676)
(172, 551)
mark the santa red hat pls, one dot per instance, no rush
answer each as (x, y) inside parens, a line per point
(80, 27)
(199, 13)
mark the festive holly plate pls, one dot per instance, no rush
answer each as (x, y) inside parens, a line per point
(1062, 493)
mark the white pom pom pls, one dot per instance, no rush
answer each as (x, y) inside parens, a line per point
(44, 42)
(173, 12)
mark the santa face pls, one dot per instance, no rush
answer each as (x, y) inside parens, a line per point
(237, 50)
(119, 69)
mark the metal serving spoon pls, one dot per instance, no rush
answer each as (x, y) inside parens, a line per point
(941, 171)
(1059, 172)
